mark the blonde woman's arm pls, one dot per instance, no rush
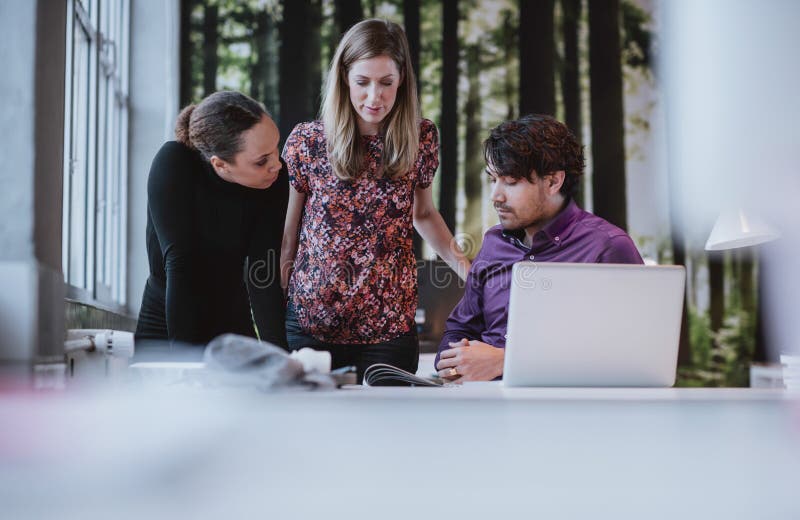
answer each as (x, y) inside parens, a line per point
(431, 227)
(291, 232)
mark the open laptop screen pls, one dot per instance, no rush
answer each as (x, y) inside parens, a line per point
(593, 325)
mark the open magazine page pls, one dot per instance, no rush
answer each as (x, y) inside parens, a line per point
(386, 375)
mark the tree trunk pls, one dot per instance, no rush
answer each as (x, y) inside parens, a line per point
(210, 57)
(747, 297)
(187, 51)
(473, 152)
(264, 77)
(347, 13)
(411, 22)
(570, 73)
(537, 89)
(449, 122)
(733, 278)
(259, 75)
(608, 129)
(271, 98)
(761, 353)
(678, 240)
(510, 48)
(679, 258)
(695, 263)
(716, 289)
(315, 57)
(747, 280)
(296, 76)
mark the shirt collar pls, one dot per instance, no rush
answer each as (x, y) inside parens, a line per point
(559, 225)
(553, 232)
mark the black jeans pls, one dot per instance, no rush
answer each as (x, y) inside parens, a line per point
(401, 352)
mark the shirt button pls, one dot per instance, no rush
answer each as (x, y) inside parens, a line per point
(557, 239)
(531, 257)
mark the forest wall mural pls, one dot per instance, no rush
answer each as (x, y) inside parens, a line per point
(591, 63)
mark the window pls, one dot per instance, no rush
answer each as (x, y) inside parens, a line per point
(95, 151)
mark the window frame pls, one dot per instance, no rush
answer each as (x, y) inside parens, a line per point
(94, 227)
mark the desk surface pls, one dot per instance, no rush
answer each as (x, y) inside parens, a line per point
(477, 451)
(495, 390)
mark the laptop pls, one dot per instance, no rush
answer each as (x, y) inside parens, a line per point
(593, 325)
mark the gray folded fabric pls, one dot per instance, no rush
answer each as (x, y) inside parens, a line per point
(233, 360)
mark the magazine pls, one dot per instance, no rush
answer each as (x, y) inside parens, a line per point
(386, 375)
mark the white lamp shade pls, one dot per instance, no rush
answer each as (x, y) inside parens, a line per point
(737, 229)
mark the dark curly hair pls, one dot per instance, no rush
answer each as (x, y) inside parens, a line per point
(215, 125)
(535, 144)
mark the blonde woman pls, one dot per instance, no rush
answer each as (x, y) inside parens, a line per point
(360, 181)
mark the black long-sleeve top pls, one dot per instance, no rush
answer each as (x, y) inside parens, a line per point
(214, 252)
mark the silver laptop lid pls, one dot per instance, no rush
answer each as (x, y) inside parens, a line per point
(593, 325)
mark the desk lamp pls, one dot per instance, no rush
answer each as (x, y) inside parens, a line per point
(734, 229)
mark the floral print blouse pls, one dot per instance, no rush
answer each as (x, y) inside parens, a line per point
(355, 276)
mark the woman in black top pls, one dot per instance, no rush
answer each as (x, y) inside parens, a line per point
(216, 205)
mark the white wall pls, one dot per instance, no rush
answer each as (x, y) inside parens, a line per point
(31, 123)
(17, 24)
(154, 96)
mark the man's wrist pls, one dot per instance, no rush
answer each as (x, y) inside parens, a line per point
(499, 362)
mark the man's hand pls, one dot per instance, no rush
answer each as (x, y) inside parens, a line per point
(472, 361)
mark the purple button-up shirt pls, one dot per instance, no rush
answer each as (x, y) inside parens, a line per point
(574, 235)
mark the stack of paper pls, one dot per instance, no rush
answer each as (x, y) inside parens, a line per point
(791, 371)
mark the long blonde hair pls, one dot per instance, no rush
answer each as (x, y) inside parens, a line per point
(368, 39)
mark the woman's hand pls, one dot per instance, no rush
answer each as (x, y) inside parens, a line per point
(431, 227)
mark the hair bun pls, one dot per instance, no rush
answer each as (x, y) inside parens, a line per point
(182, 126)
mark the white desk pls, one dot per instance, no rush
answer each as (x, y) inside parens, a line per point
(480, 451)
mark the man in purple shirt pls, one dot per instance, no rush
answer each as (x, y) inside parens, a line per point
(535, 165)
